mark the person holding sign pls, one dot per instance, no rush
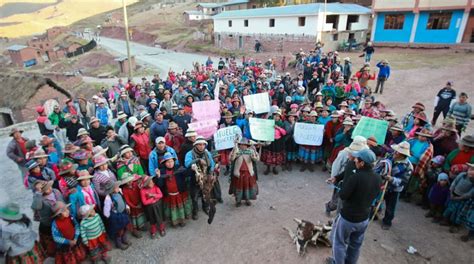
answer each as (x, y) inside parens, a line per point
(273, 155)
(309, 155)
(227, 121)
(291, 146)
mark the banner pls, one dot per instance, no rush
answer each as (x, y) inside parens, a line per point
(308, 134)
(259, 103)
(206, 110)
(262, 129)
(205, 128)
(370, 127)
(224, 138)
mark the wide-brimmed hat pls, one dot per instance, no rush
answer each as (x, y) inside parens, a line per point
(82, 131)
(313, 113)
(449, 121)
(144, 115)
(85, 210)
(343, 104)
(128, 177)
(348, 121)
(424, 133)
(100, 160)
(39, 153)
(84, 175)
(66, 167)
(14, 130)
(44, 185)
(99, 151)
(124, 149)
(372, 141)
(359, 143)
(80, 155)
(138, 125)
(10, 212)
(70, 148)
(86, 140)
(153, 101)
(467, 141)
(277, 112)
(419, 105)
(402, 148)
(335, 113)
(121, 115)
(31, 164)
(31, 144)
(191, 133)
(244, 141)
(146, 180)
(200, 140)
(228, 114)
(306, 109)
(397, 127)
(59, 208)
(421, 116)
(166, 157)
(172, 125)
(93, 119)
(449, 127)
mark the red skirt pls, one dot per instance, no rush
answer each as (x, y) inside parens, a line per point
(245, 186)
(46, 240)
(272, 158)
(71, 255)
(34, 256)
(225, 156)
(98, 246)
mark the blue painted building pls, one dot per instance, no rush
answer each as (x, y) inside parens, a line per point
(419, 23)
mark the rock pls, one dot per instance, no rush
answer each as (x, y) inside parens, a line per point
(388, 248)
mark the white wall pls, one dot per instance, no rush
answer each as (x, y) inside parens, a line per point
(362, 24)
(283, 25)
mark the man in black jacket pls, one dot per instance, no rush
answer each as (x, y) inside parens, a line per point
(97, 131)
(357, 193)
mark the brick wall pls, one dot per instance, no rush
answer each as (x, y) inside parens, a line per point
(43, 94)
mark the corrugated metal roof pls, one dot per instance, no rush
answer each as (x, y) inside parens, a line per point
(17, 47)
(235, 2)
(307, 9)
(210, 5)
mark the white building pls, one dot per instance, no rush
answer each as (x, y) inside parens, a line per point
(333, 23)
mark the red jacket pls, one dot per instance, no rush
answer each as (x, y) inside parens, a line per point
(141, 146)
(150, 195)
(174, 141)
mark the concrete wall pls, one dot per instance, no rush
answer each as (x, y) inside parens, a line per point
(424, 35)
(393, 35)
(235, 7)
(441, 3)
(394, 4)
(257, 25)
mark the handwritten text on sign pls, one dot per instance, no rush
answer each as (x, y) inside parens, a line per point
(308, 134)
(224, 138)
(370, 127)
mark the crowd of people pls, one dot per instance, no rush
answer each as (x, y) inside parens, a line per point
(109, 178)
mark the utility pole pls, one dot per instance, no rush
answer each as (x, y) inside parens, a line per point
(127, 38)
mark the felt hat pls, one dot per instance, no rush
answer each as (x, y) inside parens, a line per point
(313, 113)
(172, 125)
(66, 167)
(85, 210)
(128, 177)
(39, 153)
(99, 151)
(397, 127)
(99, 161)
(402, 148)
(424, 133)
(356, 117)
(70, 148)
(45, 141)
(421, 116)
(467, 141)
(372, 141)
(133, 121)
(174, 106)
(59, 208)
(166, 157)
(121, 115)
(228, 114)
(348, 121)
(366, 155)
(306, 109)
(80, 155)
(143, 115)
(84, 175)
(191, 132)
(31, 143)
(86, 140)
(319, 105)
(124, 149)
(160, 140)
(200, 140)
(449, 127)
(277, 112)
(82, 131)
(93, 120)
(344, 103)
(359, 143)
(14, 130)
(419, 106)
(146, 180)
(335, 113)
(153, 101)
(10, 212)
(45, 185)
(166, 92)
(449, 121)
(31, 164)
(138, 125)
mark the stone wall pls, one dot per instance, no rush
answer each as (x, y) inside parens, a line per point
(43, 94)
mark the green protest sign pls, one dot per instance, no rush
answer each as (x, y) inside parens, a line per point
(370, 127)
(262, 129)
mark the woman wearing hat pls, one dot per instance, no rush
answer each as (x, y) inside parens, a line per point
(85, 194)
(461, 155)
(128, 162)
(244, 172)
(396, 169)
(102, 176)
(93, 234)
(54, 155)
(273, 155)
(18, 240)
(172, 182)
(420, 121)
(115, 211)
(16, 149)
(445, 139)
(44, 199)
(174, 137)
(291, 147)
(66, 231)
(408, 119)
(330, 130)
(84, 160)
(395, 135)
(226, 121)
(131, 194)
(310, 155)
(35, 173)
(343, 138)
(68, 177)
(140, 142)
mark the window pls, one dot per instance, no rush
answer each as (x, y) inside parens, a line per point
(230, 23)
(394, 21)
(246, 23)
(301, 21)
(271, 22)
(332, 19)
(350, 20)
(439, 20)
(335, 37)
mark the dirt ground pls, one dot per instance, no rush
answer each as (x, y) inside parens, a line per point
(254, 234)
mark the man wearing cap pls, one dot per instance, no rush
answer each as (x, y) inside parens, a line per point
(16, 149)
(157, 154)
(357, 193)
(384, 74)
(96, 131)
(462, 112)
(443, 101)
(103, 113)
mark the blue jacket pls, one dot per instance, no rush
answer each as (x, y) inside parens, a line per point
(188, 160)
(158, 130)
(154, 160)
(77, 200)
(244, 126)
(384, 70)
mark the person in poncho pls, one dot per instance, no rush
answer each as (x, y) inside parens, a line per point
(128, 162)
(273, 155)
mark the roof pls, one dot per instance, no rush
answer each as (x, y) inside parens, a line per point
(292, 10)
(214, 5)
(193, 12)
(210, 5)
(17, 47)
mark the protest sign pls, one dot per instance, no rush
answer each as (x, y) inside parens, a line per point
(205, 128)
(206, 110)
(262, 129)
(259, 103)
(308, 134)
(224, 138)
(370, 127)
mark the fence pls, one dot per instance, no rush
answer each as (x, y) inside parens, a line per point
(83, 49)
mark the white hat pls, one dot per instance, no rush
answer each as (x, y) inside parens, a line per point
(85, 209)
(160, 139)
(359, 143)
(191, 133)
(133, 121)
(200, 140)
(402, 148)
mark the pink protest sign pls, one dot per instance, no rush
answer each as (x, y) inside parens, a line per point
(206, 110)
(205, 128)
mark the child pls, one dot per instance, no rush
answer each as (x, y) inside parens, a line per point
(131, 194)
(151, 199)
(102, 176)
(17, 239)
(85, 193)
(128, 162)
(431, 178)
(115, 210)
(438, 195)
(93, 234)
(65, 230)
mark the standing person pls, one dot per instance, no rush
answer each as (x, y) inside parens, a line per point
(443, 101)
(357, 193)
(115, 211)
(16, 150)
(18, 240)
(103, 113)
(131, 194)
(151, 198)
(369, 51)
(461, 111)
(274, 154)
(140, 142)
(93, 234)
(384, 74)
(347, 69)
(258, 46)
